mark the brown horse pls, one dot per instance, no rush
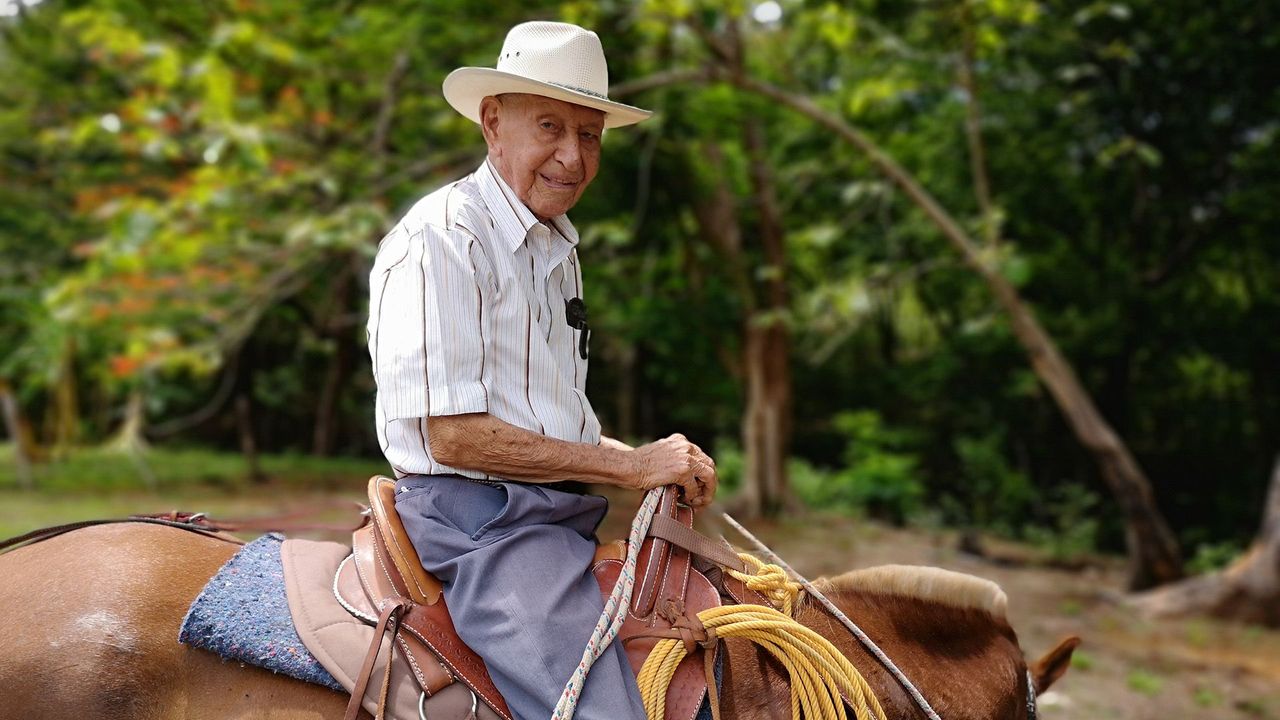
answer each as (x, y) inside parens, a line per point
(89, 625)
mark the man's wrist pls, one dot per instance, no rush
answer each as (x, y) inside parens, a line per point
(620, 462)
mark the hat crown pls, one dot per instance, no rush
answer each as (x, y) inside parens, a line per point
(556, 53)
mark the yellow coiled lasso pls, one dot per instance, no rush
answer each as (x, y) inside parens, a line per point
(817, 670)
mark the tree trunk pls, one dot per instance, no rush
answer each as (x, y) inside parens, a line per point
(67, 428)
(243, 405)
(1248, 590)
(718, 222)
(339, 372)
(13, 423)
(1154, 557)
(766, 420)
(129, 439)
(973, 126)
(766, 424)
(625, 392)
(248, 445)
(335, 380)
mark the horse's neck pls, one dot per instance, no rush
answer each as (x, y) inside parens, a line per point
(964, 662)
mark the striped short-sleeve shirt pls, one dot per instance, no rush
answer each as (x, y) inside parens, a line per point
(467, 314)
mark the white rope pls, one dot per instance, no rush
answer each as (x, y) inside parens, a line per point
(615, 608)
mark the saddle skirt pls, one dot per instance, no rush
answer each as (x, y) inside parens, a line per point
(339, 640)
(383, 567)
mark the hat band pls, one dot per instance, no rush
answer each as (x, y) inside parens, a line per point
(584, 91)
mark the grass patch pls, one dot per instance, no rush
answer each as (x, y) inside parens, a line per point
(1071, 607)
(1207, 697)
(165, 469)
(92, 483)
(1144, 682)
(1081, 660)
(1253, 708)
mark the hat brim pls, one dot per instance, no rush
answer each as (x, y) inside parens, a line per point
(464, 88)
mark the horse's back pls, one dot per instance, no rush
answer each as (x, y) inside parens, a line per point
(90, 620)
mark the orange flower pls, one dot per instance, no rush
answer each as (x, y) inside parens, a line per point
(122, 366)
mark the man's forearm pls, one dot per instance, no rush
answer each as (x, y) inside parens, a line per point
(479, 441)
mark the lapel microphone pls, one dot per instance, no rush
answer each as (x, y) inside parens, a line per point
(575, 313)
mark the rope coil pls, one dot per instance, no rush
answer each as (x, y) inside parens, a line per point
(817, 670)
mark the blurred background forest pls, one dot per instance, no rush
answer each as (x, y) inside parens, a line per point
(1007, 267)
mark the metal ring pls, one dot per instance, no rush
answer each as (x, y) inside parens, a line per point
(422, 705)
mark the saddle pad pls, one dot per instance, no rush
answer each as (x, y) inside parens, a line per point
(242, 614)
(339, 640)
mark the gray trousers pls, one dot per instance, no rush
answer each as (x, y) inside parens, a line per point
(515, 561)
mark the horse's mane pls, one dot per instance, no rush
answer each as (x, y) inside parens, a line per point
(930, 584)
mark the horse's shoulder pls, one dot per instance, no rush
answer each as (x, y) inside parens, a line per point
(930, 584)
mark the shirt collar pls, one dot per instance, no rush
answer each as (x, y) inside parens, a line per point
(512, 216)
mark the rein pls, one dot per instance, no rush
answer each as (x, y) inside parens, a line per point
(191, 522)
(198, 523)
(615, 609)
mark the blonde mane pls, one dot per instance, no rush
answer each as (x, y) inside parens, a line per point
(925, 583)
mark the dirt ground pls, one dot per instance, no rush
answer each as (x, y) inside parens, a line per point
(1127, 667)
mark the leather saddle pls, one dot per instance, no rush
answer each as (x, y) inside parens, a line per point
(384, 583)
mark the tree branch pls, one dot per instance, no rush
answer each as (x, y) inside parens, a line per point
(427, 167)
(661, 79)
(210, 409)
(973, 127)
(387, 107)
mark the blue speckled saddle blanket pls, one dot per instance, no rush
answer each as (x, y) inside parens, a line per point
(243, 614)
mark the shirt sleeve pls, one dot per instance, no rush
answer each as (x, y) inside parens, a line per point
(431, 341)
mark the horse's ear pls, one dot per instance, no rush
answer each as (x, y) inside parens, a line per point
(1049, 668)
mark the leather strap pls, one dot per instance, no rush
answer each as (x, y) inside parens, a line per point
(709, 669)
(674, 532)
(182, 521)
(388, 622)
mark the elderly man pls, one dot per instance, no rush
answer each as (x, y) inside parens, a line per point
(479, 343)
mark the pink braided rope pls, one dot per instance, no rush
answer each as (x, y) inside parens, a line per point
(615, 608)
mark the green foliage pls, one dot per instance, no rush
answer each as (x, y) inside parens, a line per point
(1073, 529)
(192, 192)
(879, 477)
(729, 465)
(1213, 556)
(996, 493)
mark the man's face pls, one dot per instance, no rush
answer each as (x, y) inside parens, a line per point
(547, 150)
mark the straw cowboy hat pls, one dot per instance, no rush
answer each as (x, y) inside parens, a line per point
(551, 59)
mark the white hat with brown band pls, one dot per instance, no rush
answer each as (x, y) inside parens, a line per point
(551, 59)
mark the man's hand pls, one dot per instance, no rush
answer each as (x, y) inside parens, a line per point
(676, 461)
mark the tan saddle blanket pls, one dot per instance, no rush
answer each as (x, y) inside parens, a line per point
(339, 639)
